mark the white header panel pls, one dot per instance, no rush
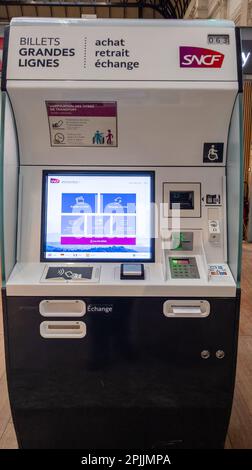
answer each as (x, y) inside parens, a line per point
(168, 125)
(122, 50)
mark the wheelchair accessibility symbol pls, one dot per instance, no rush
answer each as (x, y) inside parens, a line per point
(213, 152)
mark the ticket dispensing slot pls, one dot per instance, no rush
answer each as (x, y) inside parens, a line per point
(62, 329)
(186, 308)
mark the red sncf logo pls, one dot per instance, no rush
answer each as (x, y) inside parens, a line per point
(196, 57)
(54, 180)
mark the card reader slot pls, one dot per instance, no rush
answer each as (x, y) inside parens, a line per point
(186, 308)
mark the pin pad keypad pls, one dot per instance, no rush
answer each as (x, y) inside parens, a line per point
(184, 268)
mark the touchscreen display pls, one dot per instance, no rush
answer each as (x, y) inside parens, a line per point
(97, 216)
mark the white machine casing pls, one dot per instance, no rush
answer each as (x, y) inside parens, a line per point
(165, 115)
(137, 354)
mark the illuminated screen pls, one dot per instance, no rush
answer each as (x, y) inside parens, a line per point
(184, 198)
(97, 216)
(180, 261)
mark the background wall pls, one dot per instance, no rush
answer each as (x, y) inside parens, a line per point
(240, 11)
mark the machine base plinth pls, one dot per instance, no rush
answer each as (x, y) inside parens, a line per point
(137, 380)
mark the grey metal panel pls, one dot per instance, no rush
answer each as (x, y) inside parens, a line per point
(235, 189)
(10, 189)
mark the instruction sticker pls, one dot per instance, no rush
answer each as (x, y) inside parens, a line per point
(82, 124)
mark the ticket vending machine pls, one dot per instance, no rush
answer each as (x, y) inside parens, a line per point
(121, 180)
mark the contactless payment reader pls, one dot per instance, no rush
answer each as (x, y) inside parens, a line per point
(121, 208)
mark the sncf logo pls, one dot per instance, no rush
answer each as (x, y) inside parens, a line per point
(54, 180)
(200, 57)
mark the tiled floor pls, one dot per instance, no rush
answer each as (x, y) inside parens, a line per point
(240, 429)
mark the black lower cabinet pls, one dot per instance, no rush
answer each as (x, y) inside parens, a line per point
(137, 380)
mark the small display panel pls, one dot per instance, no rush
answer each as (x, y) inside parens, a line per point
(96, 215)
(185, 199)
(180, 261)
